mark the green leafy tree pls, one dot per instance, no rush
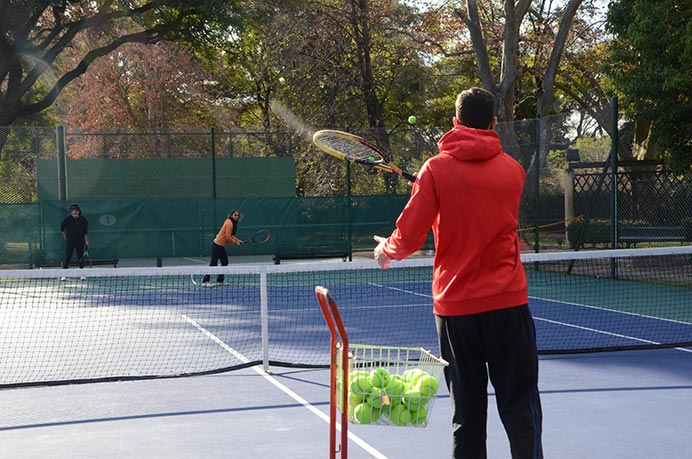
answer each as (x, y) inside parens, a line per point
(331, 64)
(652, 58)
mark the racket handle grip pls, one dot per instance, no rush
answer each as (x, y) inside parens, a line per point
(408, 176)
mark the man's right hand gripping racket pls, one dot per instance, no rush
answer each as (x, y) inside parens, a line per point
(356, 149)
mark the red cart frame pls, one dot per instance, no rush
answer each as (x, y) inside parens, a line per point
(336, 330)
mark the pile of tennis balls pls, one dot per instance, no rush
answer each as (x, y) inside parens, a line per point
(377, 396)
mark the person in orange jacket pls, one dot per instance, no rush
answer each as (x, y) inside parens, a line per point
(469, 195)
(225, 236)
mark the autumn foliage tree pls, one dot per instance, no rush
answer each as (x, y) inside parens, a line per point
(154, 88)
(35, 37)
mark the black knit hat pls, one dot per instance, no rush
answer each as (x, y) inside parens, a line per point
(75, 206)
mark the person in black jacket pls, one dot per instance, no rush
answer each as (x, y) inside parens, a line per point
(75, 232)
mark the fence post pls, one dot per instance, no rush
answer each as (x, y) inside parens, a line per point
(614, 187)
(537, 238)
(349, 214)
(614, 176)
(568, 183)
(213, 162)
(62, 162)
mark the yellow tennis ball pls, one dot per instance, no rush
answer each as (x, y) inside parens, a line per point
(361, 413)
(417, 375)
(364, 413)
(427, 385)
(419, 416)
(412, 119)
(361, 384)
(356, 373)
(411, 374)
(394, 389)
(377, 398)
(413, 399)
(379, 377)
(399, 415)
(354, 399)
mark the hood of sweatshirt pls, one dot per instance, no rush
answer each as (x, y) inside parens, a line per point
(468, 144)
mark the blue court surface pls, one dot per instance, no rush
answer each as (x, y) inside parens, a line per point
(627, 404)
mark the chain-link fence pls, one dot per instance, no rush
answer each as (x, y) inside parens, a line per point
(653, 205)
(568, 200)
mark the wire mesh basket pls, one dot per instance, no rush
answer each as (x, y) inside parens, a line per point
(390, 386)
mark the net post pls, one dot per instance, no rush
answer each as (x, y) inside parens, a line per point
(264, 318)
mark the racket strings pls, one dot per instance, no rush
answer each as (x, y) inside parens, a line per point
(260, 237)
(351, 148)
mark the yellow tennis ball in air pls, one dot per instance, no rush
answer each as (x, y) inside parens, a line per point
(412, 119)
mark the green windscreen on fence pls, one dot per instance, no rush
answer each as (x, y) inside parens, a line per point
(168, 177)
(165, 228)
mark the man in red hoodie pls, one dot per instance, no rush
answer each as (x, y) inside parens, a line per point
(469, 194)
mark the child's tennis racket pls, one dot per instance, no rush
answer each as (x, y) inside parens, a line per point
(356, 149)
(260, 237)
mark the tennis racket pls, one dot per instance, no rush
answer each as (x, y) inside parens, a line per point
(85, 260)
(350, 147)
(260, 237)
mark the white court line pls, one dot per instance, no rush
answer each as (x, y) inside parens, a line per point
(617, 335)
(195, 260)
(615, 311)
(359, 441)
(571, 325)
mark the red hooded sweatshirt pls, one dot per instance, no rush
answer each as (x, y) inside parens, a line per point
(469, 194)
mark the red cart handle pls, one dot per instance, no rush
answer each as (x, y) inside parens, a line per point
(336, 330)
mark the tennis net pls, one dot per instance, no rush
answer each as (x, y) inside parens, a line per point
(160, 322)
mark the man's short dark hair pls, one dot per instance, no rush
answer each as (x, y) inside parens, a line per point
(475, 108)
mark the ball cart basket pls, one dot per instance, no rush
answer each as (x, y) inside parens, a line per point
(378, 385)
